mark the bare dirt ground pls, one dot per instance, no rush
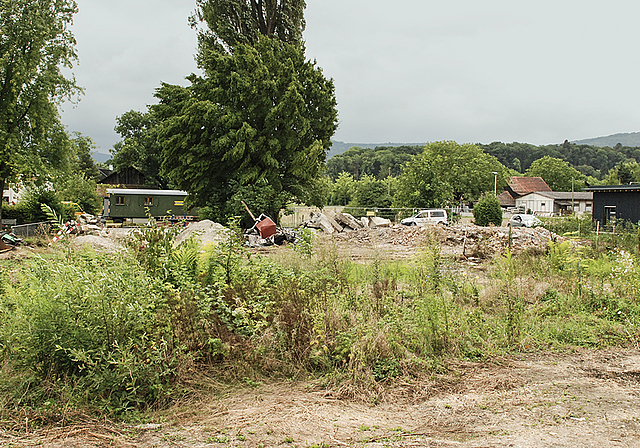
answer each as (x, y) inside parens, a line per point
(585, 398)
(580, 399)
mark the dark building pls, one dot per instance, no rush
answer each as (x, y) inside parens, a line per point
(613, 203)
(129, 177)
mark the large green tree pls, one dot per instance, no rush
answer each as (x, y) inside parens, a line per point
(421, 185)
(259, 115)
(557, 173)
(139, 147)
(35, 45)
(467, 168)
(234, 22)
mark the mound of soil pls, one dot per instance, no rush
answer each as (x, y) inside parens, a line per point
(205, 231)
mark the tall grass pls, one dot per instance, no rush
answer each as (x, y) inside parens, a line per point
(122, 333)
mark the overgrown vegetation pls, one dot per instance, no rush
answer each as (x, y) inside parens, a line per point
(122, 333)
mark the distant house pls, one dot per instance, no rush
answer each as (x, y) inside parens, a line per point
(549, 203)
(129, 177)
(520, 186)
(506, 200)
(10, 195)
(612, 203)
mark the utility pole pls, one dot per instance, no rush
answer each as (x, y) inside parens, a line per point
(572, 209)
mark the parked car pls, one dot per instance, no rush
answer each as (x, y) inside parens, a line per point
(521, 220)
(430, 216)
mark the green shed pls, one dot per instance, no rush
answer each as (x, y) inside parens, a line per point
(123, 203)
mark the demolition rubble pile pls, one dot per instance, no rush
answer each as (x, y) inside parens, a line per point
(338, 222)
(464, 240)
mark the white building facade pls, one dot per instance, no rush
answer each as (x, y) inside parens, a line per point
(554, 203)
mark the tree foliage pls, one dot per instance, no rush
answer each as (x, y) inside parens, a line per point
(371, 192)
(557, 174)
(623, 174)
(139, 147)
(421, 186)
(467, 168)
(342, 190)
(260, 114)
(82, 161)
(231, 23)
(590, 160)
(379, 162)
(35, 45)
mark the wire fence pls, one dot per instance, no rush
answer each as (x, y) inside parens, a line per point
(31, 230)
(298, 215)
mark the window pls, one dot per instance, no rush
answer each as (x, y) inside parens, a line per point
(610, 214)
(119, 200)
(542, 204)
(148, 201)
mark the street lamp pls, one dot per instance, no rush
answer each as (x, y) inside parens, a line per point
(495, 183)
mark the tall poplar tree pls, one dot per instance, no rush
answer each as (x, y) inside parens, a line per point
(262, 117)
(35, 44)
(258, 124)
(230, 23)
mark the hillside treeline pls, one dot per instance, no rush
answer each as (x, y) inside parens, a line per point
(383, 161)
(590, 160)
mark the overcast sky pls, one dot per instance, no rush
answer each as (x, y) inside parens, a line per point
(405, 71)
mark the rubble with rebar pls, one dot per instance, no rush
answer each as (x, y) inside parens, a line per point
(464, 240)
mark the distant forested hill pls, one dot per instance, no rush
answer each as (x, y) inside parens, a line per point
(631, 139)
(340, 147)
(378, 162)
(590, 160)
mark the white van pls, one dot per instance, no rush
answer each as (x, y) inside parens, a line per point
(430, 216)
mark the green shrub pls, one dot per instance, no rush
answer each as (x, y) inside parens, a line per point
(89, 320)
(488, 211)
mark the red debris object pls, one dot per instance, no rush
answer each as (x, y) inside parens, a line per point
(266, 227)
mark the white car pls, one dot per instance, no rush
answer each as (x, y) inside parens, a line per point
(522, 220)
(423, 217)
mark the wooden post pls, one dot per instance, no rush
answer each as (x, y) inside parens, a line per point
(250, 214)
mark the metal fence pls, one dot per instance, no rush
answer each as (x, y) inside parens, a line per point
(297, 215)
(31, 230)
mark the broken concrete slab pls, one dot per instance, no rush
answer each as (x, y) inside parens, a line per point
(331, 218)
(348, 220)
(376, 221)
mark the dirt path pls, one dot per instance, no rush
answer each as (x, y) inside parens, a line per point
(583, 399)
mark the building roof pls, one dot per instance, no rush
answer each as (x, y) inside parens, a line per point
(506, 200)
(525, 185)
(129, 191)
(614, 188)
(127, 176)
(566, 195)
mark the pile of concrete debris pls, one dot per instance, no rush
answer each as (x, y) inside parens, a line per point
(333, 222)
(464, 240)
(482, 242)
(89, 223)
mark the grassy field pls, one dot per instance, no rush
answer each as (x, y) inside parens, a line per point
(120, 334)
